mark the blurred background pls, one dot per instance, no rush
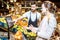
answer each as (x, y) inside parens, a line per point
(16, 8)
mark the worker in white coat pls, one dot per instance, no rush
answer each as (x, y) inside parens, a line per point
(34, 17)
(48, 23)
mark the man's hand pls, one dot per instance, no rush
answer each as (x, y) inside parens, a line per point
(14, 21)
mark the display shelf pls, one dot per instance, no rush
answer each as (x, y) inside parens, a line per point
(29, 7)
(5, 29)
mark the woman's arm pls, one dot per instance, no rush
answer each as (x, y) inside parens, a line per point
(39, 20)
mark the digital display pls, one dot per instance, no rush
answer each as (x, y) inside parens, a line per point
(9, 21)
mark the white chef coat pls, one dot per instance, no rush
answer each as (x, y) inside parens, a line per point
(33, 15)
(47, 28)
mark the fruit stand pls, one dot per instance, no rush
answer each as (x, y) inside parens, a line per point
(17, 28)
(16, 10)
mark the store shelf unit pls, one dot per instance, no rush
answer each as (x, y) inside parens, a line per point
(23, 5)
(5, 29)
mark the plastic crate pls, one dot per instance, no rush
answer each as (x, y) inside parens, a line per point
(14, 30)
(2, 24)
(3, 38)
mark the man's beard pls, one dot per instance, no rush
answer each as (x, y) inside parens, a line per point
(33, 10)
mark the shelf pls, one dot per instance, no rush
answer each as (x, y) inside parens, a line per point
(5, 29)
(4, 10)
(29, 7)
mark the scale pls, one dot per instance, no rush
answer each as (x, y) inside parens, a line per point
(9, 24)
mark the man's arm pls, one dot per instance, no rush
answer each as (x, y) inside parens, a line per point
(19, 18)
(23, 16)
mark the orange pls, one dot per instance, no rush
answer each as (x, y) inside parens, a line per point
(18, 35)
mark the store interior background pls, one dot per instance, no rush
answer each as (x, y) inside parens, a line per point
(19, 7)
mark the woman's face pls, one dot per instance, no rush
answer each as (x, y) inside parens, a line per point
(43, 8)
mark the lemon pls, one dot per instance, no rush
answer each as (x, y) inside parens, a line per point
(4, 21)
(25, 19)
(18, 16)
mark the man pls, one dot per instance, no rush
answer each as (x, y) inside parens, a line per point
(33, 16)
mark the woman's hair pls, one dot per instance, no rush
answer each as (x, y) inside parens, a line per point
(50, 6)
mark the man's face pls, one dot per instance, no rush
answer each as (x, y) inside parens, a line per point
(33, 7)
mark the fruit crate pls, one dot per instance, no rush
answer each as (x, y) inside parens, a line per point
(31, 38)
(3, 25)
(3, 38)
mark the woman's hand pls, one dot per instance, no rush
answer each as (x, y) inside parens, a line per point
(30, 27)
(33, 30)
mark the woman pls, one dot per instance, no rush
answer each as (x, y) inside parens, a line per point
(48, 23)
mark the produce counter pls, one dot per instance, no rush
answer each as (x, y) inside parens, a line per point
(18, 31)
(17, 28)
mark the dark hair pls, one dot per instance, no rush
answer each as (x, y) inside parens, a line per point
(33, 3)
(51, 6)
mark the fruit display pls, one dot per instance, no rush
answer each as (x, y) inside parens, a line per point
(30, 35)
(18, 27)
(3, 22)
(21, 29)
(18, 35)
(22, 22)
(15, 16)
